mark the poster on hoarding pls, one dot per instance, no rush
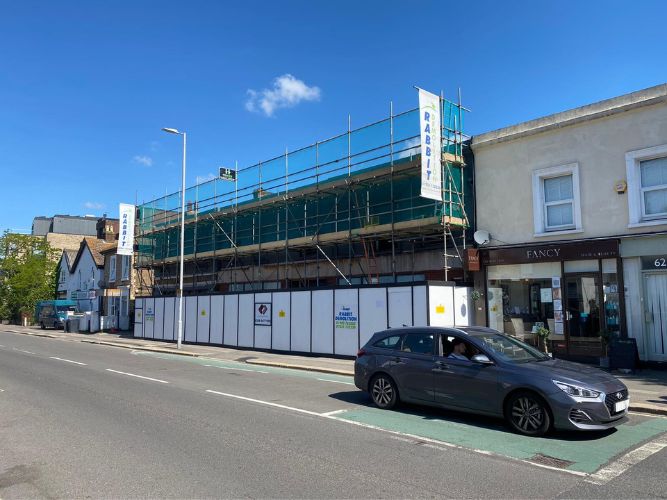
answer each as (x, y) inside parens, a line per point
(429, 123)
(263, 313)
(126, 230)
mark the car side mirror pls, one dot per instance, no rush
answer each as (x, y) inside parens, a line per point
(481, 359)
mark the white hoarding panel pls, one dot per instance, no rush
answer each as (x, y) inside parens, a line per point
(400, 306)
(462, 306)
(126, 230)
(139, 318)
(217, 309)
(230, 320)
(441, 305)
(262, 337)
(170, 318)
(246, 319)
(322, 321)
(429, 123)
(203, 318)
(346, 322)
(158, 326)
(281, 321)
(300, 313)
(149, 318)
(419, 306)
(190, 319)
(372, 312)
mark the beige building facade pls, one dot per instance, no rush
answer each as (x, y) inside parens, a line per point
(576, 207)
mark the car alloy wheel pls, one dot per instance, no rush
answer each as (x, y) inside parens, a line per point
(383, 392)
(528, 414)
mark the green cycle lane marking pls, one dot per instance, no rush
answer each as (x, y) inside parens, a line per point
(588, 451)
(246, 367)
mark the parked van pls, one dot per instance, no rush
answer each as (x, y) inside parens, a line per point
(53, 313)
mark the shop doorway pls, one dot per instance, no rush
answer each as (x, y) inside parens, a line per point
(582, 314)
(655, 316)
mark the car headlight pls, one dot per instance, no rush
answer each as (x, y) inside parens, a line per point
(576, 391)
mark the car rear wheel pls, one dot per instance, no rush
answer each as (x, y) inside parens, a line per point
(384, 392)
(527, 413)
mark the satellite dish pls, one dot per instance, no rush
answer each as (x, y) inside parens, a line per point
(482, 237)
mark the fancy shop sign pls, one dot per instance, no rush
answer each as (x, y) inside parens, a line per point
(548, 253)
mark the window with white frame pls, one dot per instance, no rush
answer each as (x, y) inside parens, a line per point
(112, 268)
(63, 276)
(646, 170)
(125, 267)
(556, 204)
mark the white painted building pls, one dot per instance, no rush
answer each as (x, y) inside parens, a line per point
(80, 273)
(576, 205)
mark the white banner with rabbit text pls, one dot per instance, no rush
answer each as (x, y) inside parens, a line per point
(429, 123)
(126, 230)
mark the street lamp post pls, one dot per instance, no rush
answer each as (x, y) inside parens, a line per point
(180, 285)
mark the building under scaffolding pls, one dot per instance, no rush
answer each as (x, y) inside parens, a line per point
(346, 210)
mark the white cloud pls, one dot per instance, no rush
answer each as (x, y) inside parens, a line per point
(287, 92)
(143, 160)
(93, 205)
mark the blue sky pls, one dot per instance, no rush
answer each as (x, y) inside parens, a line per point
(85, 87)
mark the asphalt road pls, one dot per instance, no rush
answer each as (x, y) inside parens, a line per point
(82, 420)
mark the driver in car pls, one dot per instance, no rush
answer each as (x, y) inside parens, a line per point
(459, 350)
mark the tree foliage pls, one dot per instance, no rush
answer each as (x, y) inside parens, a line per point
(27, 274)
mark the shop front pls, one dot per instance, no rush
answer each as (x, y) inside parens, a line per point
(572, 289)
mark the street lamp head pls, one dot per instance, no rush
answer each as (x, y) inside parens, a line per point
(171, 130)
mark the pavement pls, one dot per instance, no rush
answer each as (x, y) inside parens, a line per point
(648, 387)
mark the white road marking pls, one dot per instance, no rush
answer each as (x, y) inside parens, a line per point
(2, 390)
(628, 460)
(335, 412)
(68, 361)
(21, 350)
(138, 376)
(334, 381)
(267, 403)
(239, 369)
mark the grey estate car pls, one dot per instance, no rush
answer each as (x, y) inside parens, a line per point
(480, 370)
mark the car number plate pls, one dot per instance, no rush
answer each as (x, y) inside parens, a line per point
(621, 405)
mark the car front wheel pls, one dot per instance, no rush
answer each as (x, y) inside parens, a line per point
(527, 413)
(384, 392)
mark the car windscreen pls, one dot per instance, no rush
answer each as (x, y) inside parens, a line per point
(510, 349)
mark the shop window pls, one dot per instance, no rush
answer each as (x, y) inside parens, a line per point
(611, 298)
(112, 268)
(646, 171)
(581, 266)
(125, 267)
(556, 205)
(522, 297)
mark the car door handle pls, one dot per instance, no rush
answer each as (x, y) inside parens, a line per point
(398, 360)
(440, 366)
